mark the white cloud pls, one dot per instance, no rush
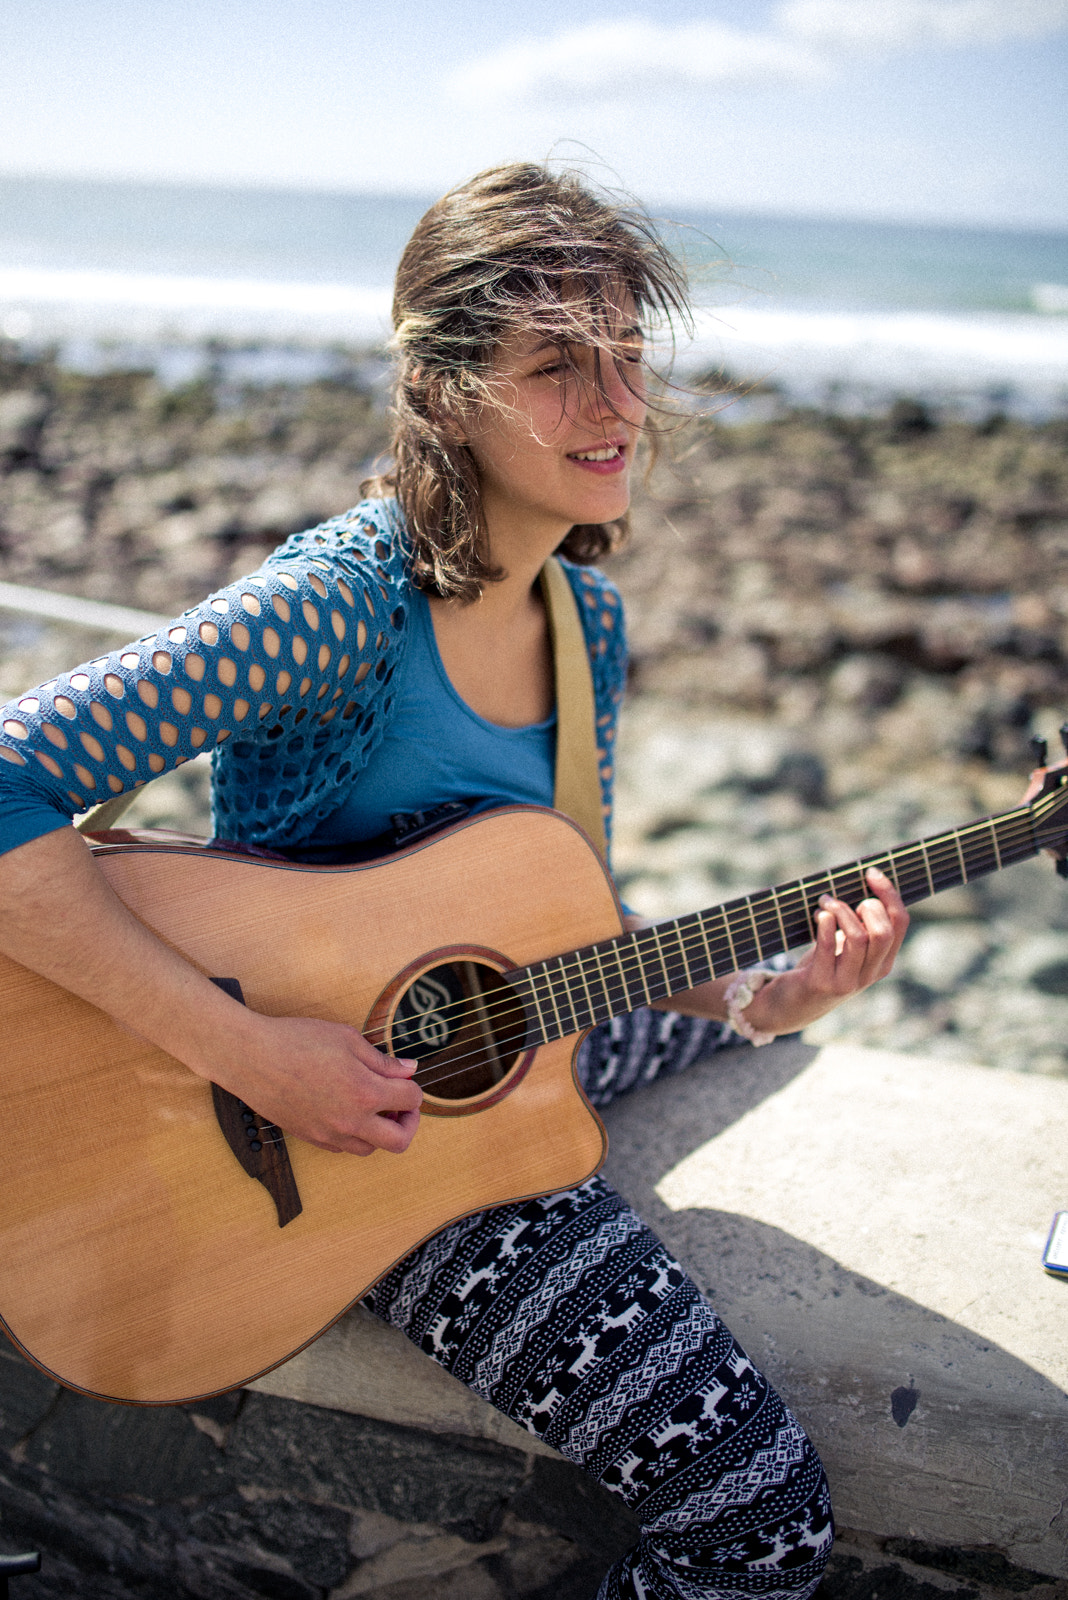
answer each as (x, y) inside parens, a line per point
(606, 60)
(901, 24)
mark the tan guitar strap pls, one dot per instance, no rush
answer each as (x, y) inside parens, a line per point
(577, 788)
(107, 814)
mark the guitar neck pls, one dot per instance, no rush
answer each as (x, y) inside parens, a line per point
(582, 988)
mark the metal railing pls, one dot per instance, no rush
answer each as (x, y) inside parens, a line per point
(80, 613)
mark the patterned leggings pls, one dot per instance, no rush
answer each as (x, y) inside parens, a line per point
(568, 1314)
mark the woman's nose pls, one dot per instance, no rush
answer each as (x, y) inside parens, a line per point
(607, 392)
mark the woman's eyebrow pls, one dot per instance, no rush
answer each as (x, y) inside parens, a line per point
(546, 344)
(631, 335)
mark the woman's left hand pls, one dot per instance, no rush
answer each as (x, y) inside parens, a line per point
(853, 948)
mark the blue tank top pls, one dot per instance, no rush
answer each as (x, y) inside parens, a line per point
(438, 749)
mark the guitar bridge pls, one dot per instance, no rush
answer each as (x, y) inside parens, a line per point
(260, 1146)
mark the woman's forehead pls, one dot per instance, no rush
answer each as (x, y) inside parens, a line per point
(576, 320)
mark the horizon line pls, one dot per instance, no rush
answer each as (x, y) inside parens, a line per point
(693, 207)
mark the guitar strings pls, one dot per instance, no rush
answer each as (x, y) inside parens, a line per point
(932, 855)
(940, 851)
(926, 857)
(937, 860)
(755, 919)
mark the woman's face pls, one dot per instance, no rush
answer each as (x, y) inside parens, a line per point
(557, 449)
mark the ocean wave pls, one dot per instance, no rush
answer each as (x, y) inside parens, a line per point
(41, 303)
(891, 348)
(803, 352)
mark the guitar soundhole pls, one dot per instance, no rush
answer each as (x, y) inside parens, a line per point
(464, 1026)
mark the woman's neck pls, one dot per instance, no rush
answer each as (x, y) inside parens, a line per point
(496, 649)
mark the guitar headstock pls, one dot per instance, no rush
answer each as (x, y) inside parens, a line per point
(1048, 799)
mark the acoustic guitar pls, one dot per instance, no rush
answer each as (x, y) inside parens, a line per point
(160, 1242)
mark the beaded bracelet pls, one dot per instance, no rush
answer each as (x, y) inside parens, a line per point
(739, 994)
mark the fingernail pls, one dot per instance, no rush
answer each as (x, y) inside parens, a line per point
(825, 900)
(877, 872)
(406, 1061)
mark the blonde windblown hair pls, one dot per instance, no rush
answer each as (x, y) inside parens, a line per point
(518, 247)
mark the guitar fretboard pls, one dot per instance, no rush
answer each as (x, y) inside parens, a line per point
(582, 988)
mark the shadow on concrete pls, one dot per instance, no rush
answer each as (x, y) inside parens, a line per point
(927, 1429)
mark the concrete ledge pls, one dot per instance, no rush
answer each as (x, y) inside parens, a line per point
(870, 1225)
(370, 1370)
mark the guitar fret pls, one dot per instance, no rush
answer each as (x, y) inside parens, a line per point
(640, 964)
(590, 1007)
(960, 855)
(891, 861)
(566, 1002)
(604, 981)
(741, 941)
(927, 868)
(532, 975)
(593, 984)
(683, 956)
(813, 889)
(632, 1002)
(576, 1003)
(756, 930)
(1019, 847)
(797, 889)
(700, 956)
(561, 1026)
(795, 923)
(782, 925)
(663, 962)
(736, 965)
(708, 953)
(979, 851)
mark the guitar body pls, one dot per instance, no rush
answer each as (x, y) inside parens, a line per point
(138, 1260)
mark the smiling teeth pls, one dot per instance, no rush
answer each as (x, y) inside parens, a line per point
(608, 454)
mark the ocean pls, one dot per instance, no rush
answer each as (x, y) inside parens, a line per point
(842, 313)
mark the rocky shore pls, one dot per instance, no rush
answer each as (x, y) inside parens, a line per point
(844, 631)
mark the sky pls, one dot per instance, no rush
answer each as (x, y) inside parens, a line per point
(913, 110)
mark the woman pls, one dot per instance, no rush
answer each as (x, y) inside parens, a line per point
(393, 659)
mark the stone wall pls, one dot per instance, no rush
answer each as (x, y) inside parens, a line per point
(251, 1495)
(256, 1497)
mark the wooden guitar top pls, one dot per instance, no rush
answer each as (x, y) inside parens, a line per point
(139, 1260)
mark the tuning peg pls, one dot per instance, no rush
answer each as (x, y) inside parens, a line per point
(1039, 747)
(1063, 731)
(1062, 866)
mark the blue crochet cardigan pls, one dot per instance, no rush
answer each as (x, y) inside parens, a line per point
(286, 675)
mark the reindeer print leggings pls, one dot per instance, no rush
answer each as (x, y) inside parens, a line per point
(569, 1315)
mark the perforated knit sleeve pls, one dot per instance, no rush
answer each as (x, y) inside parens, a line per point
(601, 610)
(289, 663)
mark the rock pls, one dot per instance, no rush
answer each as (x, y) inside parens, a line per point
(942, 955)
(22, 416)
(870, 681)
(375, 1466)
(1035, 958)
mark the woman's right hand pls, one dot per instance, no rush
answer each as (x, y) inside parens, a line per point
(320, 1081)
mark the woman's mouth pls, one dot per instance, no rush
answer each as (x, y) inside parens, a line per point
(602, 458)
